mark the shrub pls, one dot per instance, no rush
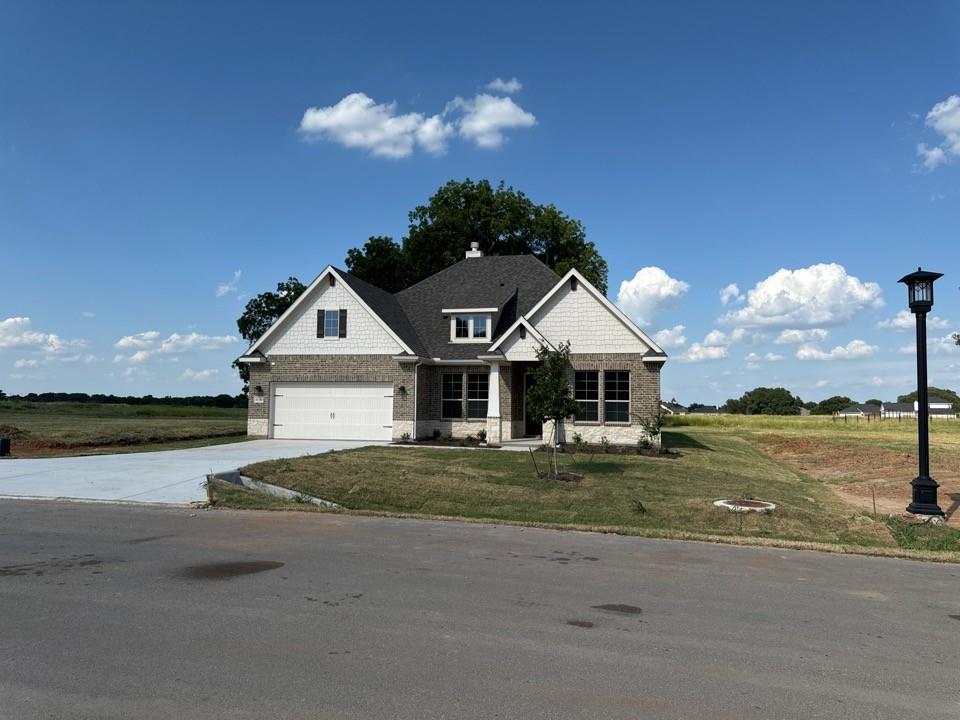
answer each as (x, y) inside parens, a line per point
(605, 443)
(436, 433)
(482, 435)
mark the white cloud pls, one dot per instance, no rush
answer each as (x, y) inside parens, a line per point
(505, 86)
(822, 383)
(26, 363)
(945, 345)
(731, 293)
(905, 321)
(19, 332)
(650, 290)
(356, 121)
(716, 338)
(149, 344)
(852, 350)
(485, 117)
(822, 294)
(433, 133)
(794, 337)
(198, 375)
(671, 337)
(698, 352)
(944, 119)
(140, 340)
(87, 314)
(773, 357)
(231, 286)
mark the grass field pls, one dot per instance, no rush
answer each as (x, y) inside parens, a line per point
(51, 429)
(766, 458)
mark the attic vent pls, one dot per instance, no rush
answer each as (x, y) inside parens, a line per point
(523, 333)
(573, 283)
(333, 281)
(474, 250)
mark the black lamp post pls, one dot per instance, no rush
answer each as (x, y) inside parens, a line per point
(920, 289)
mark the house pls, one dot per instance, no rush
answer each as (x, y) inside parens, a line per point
(672, 408)
(705, 410)
(453, 354)
(860, 410)
(899, 410)
(939, 408)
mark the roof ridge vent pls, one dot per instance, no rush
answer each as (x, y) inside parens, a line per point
(474, 250)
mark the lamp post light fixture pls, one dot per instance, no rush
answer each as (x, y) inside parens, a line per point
(920, 291)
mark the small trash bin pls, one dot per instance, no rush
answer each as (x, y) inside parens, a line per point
(4, 446)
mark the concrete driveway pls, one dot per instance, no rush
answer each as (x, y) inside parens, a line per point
(171, 476)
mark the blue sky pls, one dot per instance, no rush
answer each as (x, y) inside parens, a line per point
(150, 151)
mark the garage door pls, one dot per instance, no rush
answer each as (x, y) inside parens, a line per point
(333, 411)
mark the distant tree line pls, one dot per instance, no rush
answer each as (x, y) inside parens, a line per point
(780, 401)
(219, 401)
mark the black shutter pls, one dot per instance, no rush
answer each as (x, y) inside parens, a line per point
(343, 322)
(319, 323)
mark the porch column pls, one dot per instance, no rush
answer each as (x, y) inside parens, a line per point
(493, 404)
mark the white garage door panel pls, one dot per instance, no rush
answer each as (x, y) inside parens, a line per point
(333, 411)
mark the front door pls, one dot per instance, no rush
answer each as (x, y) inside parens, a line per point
(532, 427)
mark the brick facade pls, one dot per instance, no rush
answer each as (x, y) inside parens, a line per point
(425, 383)
(331, 368)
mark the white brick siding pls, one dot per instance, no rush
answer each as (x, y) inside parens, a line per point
(298, 335)
(577, 316)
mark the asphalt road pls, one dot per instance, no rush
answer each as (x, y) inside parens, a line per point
(112, 612)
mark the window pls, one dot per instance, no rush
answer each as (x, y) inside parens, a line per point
(478, 385)
(616, 396)
(470, 328)
(586, 391)
(479, 326)
(332, 323)
(451, 396)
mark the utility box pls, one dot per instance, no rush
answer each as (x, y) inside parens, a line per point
(4, 446)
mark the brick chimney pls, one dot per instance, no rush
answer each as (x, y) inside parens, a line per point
(474, 250)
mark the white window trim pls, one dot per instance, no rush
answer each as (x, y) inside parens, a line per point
(471, 338)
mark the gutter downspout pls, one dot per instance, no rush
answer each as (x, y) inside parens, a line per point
(416, 388)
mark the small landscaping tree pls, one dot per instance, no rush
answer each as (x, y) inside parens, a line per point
(550, 398)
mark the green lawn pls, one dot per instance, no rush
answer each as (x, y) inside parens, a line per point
(71, 428)
(619, 493)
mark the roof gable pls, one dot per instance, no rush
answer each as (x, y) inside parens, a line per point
(299, 305)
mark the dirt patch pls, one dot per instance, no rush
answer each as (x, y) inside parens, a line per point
(227, 570)
(580, 623)
(861, 474)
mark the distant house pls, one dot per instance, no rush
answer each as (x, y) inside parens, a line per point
(673, 408)
(705, 410)
(860, 410)
(938, 407)
(899, 410)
